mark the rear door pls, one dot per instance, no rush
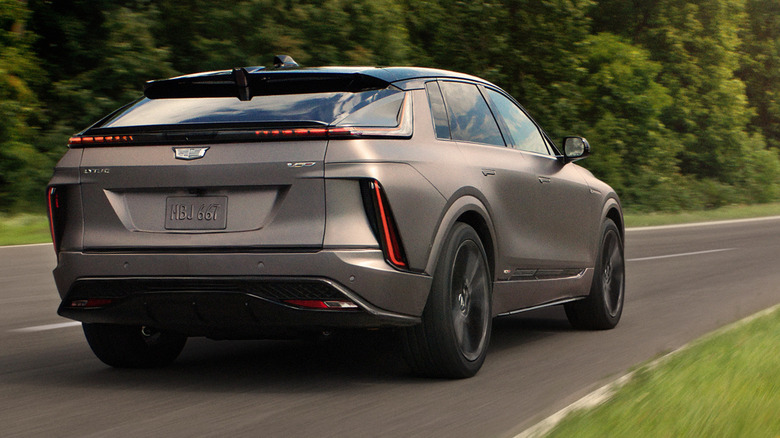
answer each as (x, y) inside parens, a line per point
(536, 203)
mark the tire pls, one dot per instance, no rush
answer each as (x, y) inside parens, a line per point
(453, 338)
(602, 309)
(124, 346)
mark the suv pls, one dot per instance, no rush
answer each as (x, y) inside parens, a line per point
(262, 203)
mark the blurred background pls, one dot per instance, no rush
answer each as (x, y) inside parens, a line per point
(680, 99)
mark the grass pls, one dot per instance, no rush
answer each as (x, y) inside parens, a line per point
(726, 385)
(722, 213)
(23, 229)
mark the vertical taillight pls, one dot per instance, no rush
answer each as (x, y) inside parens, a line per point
(383, 224)
(56, 204)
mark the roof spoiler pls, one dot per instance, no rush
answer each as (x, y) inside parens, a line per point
(244, 84)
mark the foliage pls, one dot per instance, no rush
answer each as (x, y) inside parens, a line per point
(619, 111)
(722, 158)
(21, 164)
(250, 32)
(24, 229)
(760, 66)
(726, 385)
(680, 99)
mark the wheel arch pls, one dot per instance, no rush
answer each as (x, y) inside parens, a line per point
(612, 210)
(471, 211)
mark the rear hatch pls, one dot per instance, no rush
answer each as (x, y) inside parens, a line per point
(237, 194)
(207, 163)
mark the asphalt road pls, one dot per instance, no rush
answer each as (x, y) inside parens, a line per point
(682, 283)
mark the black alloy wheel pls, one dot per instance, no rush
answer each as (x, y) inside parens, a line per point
(602, 309)
(453, 339)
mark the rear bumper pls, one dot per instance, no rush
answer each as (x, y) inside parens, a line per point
(238, 294)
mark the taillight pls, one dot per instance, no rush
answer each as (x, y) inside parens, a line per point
(383, 224)
(56, 204)
(323, 304)
(100, 139)
(403, 130)
(91, 303)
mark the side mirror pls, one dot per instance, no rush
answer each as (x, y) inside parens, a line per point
(575, 148)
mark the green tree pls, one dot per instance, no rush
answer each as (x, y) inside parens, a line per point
(250, 32)
(129, 58)
(760, 69)
(529, 48)
(544, 62)
(22, 166)
(459, 35)
(697, 43)
(619, 112)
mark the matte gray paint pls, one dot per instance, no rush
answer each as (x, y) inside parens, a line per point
(292, 221)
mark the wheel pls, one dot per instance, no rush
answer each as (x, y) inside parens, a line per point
(125, 346)
(453, 338)
(602, 308)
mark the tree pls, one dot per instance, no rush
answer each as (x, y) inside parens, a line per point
(619, 111)
(129, 58)
(22, 167)
(760, 66)
(697, 43)
(251, 32)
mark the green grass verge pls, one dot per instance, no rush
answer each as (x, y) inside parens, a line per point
(25, 228)
(722, 213)
(726, 385)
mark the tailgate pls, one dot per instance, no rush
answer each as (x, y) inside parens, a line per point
(252, 195)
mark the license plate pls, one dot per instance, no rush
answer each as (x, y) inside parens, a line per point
(196, 213)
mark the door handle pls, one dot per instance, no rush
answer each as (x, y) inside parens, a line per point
(544, 180)
(487, 172)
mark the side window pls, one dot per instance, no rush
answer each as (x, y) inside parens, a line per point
(470, 117)
(525, 135)
(438, 111)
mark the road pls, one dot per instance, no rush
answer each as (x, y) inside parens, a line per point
(682, 283)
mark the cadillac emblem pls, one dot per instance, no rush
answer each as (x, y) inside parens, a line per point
(190, 153)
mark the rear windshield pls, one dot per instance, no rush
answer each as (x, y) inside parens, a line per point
(366, 108)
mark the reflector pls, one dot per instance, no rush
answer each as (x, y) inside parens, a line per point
(318, 304)
(91, 302)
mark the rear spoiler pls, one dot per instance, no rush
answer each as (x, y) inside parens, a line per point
(243, 85)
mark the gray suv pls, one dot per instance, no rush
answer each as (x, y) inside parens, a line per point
(272, 202)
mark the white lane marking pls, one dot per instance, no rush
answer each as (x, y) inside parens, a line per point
(43, 328)
(641, 259)
(703, 224)
(24, 246)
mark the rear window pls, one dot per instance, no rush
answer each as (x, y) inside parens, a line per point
(367, 108)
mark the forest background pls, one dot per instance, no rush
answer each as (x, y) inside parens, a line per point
(679, 99)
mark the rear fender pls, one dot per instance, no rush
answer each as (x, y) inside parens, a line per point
(464, 205)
